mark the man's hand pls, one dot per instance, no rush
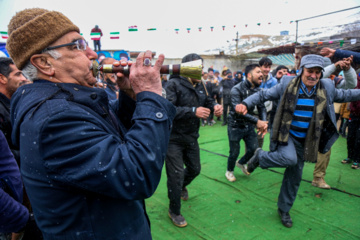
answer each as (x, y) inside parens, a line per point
(262, 127)
(241, 109)
(218, 110)
(142, 78)
(202, 112)
(327, 52)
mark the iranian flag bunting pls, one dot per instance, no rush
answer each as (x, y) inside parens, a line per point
(4, 35)
(133, 28)
(95, 36)
(151, 29)
(114, 35)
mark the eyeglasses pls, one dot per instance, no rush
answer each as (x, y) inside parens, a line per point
(80, 44)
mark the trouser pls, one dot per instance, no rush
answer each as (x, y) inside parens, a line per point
(291, 157)
(322, 163)
(5, 236)
(235, 135)
(353, 138)
(226, 110)
(97, 45)
(178, 155)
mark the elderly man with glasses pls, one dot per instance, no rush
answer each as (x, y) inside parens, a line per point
(87, 164)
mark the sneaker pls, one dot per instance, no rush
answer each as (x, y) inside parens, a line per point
(346, 161)
(177, 220)
(355, 165)
(253, 163)
(243, 168)
(213, 121)
(320, 183)
(230, 176)
(184, 194)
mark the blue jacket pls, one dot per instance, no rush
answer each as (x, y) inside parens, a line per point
(13, 215)
(88, 164)
(329, 133)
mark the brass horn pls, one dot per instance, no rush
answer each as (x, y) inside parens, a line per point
(191, 69)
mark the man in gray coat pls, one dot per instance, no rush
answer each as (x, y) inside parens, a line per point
(304, 124)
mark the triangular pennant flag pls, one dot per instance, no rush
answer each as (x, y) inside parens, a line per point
(291, 22)
(331, 41)
(176, 30)
(188, 29)
(81, 34)
(212, 28)
(114, 35)
(200, 29)
(269, 23)
(4, 35)
(223, 27)
(234, 26)
(246, 25)
(133, 28)
(258, 24)
(151, 29)
(353, 41)
(341, 43)
(95, 36)
(311, 44)
(279, 22)
(320, 43)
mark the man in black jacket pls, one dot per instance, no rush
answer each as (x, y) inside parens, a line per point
(226, 85)
(192, 101)
(10, 79)
(242, 126)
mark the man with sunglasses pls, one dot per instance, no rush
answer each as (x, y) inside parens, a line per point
(87, 164)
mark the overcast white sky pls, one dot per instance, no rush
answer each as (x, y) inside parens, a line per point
(166, 15)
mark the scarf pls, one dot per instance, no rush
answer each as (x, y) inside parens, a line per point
(285, 111)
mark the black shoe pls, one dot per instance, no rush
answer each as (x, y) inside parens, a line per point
(177, 220)
(285, 218)
(184, 194)
(253, 163)
(218, 119)
(224, 123)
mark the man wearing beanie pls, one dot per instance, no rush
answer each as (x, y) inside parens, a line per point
(87, 164)
(304, 124)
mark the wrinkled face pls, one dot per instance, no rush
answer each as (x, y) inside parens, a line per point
(15, 80)
(265, 69)
(311, 76)
(74, 65)
(255, 76)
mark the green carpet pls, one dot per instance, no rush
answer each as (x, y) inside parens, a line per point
(247, 209)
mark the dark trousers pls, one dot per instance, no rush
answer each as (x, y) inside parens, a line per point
(226, 110)
(235, 135)
(178, 155)
(353, 139)
(97, 45)
(291, 157)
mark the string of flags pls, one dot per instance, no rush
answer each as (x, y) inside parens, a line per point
(340, 41)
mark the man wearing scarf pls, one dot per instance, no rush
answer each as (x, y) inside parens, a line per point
(304, 124)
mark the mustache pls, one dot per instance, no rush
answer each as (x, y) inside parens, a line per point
(311, 78)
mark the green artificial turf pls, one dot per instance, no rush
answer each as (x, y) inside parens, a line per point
(247, 208)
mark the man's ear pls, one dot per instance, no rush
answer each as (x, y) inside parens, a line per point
(3, 79)
(42, 63)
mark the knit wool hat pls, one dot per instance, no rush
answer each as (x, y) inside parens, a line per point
(32, 30)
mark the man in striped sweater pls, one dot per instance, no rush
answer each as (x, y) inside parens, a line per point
(303, 125)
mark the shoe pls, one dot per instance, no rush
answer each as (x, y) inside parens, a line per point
(320, 183)
(355, 165)
(184, 194)
(218, 119)
(177, 220)
(253, 163)
(285, 218)
(230, 176)
(213, 122)
(346, 161)
(243, 168)
(224, 123)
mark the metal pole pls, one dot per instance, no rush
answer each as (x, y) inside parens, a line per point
(297, 22)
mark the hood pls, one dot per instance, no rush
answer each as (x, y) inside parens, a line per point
(29, 98)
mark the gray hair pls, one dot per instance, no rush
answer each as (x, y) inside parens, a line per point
(31, 71)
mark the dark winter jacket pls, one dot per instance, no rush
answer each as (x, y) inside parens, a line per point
(226, 85)
(239, 93)
(13, 215)
(186, 99)
(5, 124)
(355, 106)
(329, 133)
(88, 165)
